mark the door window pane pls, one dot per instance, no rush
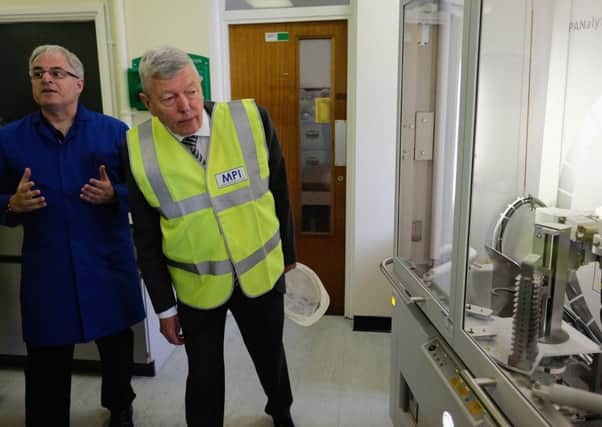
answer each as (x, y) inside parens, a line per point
(315, 142)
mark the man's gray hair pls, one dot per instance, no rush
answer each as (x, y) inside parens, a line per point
(72, 59)
(162, 63)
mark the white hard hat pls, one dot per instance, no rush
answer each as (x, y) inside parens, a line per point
(306, 299)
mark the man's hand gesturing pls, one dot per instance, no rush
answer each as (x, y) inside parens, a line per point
(25, 198)
(99, 191)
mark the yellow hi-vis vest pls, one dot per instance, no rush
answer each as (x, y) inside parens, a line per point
(217, 221)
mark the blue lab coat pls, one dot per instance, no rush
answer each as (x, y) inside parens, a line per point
(79, 279)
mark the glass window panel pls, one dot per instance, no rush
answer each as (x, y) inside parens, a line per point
(432, 42)
(533, 278)
(315, 124)
(502, 211)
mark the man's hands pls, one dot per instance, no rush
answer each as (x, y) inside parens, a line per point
(99, 191)
(25, 198)
(170, 328)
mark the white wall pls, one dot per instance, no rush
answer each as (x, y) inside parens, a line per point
(149, 23)
(372, 163)
(153, 23)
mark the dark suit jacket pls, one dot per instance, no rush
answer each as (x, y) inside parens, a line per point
(147, 232)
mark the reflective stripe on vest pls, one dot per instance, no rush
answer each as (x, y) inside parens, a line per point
(171, 209)
(223, 267)
(167, 207)
(255, 190)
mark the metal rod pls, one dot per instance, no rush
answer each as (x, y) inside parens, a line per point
(570, 396)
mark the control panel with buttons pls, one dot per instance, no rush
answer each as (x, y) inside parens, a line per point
(447, 366)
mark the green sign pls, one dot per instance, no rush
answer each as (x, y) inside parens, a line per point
(281, 36)
(201, 63)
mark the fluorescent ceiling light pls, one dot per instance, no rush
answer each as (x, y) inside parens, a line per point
(263, 4)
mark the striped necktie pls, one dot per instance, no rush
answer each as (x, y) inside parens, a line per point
(191, 143)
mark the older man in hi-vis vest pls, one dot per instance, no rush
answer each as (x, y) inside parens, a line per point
(212, 218)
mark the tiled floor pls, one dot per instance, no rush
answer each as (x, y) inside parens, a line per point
(340, 378)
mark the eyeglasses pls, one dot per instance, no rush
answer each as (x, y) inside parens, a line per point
(55, 72)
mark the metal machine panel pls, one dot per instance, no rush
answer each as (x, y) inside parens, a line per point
(425, 129)
(424, 380)
(509, 209)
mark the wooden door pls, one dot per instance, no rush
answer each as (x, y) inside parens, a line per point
(298, 71)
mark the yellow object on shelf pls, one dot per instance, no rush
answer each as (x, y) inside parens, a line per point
(322, 108)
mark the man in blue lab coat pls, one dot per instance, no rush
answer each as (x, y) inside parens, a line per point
(59, 179)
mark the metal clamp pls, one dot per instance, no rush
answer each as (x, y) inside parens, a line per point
(475, 384)
(401, 290)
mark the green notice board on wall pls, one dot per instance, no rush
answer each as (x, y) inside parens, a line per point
(134, 87)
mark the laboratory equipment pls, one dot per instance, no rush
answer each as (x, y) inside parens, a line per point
(496, 271)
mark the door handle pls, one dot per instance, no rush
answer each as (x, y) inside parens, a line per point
(401, 290)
